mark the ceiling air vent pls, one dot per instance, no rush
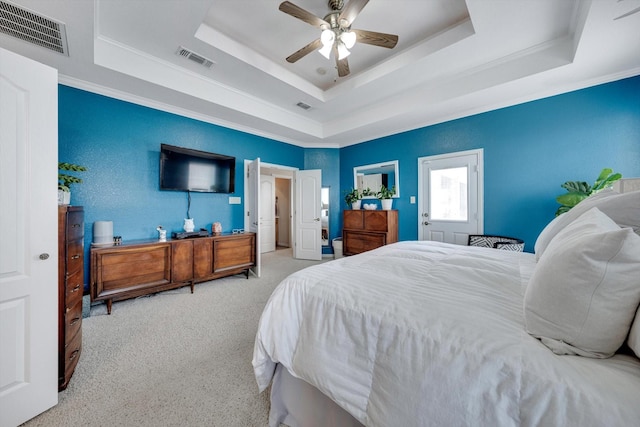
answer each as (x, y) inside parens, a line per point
(33, 28)
(198, 59)
(303, 105)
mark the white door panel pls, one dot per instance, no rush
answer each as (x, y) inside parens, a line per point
(267, 213)
(308, 243)
(450, 196)
(28, 247)
(252, 199)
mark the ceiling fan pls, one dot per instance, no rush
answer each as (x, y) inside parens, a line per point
(337, 35)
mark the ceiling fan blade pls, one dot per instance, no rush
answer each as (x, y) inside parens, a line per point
(343, 67)
(351, 11)
(634, 11)
(298, 12)
(341, 64)
(314, 45)
(377, 39)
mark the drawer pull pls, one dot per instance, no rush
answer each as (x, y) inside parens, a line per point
(76, 288)
(73, 355)
(76, 256)
(74, 321)
(75, 225)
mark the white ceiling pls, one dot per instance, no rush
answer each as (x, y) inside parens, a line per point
(454, 58)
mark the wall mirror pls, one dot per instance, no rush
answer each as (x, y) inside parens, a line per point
(324, 215)
(375, 175)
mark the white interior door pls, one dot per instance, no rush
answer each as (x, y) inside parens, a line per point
(267, 213)
(252, 199)
(29, 238)
(308, 234)
(450, 196)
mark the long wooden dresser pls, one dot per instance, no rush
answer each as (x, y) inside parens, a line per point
(145, 267)
(70, 289)
(364, 230)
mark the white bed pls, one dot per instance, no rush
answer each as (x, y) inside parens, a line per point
(426, 333)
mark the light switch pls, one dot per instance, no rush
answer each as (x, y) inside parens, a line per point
(234, 200)
(413, 200)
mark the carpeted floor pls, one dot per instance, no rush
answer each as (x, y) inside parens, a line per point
(173, 358)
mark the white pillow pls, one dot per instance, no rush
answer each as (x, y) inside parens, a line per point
(584, 291)
(634, 335)
(622, 208)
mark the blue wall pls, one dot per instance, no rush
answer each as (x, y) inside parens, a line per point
(120, 144)
(529, 151)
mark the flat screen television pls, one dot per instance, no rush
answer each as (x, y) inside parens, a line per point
(185, 169)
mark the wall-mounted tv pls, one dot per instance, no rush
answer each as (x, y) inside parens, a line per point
(185, 169)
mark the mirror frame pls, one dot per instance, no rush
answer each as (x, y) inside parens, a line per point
(328, 189)
(364, 168)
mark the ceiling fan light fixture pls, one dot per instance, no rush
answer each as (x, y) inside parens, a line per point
(348, 38)
(327, 38)
(343, 52)
(326, 50)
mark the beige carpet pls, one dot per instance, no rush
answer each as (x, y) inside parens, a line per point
(173, 358)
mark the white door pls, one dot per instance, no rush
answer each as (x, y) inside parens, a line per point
(267, 213)
(308, 234)
(450, 195)
(28, 238)
(252, 198)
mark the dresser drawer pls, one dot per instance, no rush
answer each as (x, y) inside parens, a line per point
(75, 256)
(74, 286)
(72, 320)
(75, 225)
(376, 220)
(353, 219)
(72, 355)
(358, 242)
(233, 252)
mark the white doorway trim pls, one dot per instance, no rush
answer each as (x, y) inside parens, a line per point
(286, 173)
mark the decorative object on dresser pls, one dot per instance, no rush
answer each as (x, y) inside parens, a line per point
(145, 267)
(385, 195)
(353, 198)
(368, 229)
(70, 288)
(65, 180)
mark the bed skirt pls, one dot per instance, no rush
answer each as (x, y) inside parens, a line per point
(295, 403)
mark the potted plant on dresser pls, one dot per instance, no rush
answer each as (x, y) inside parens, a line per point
(385, 196)
(353, 198)
(65, 180)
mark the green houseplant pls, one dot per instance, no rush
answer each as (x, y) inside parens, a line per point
(580, 190)
(65, 180)
(353, 198)
(385, 195)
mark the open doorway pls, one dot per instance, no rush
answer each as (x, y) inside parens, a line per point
(301, 230)
(283, 213)
(276, 204)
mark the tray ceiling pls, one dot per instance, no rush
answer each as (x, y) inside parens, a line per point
(454, 58)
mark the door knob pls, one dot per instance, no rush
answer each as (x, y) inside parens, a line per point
(426, 223)
(44, 256)
(316, 219)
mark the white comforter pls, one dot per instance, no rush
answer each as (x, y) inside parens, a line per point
(424, 333)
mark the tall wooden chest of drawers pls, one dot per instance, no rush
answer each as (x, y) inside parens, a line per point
(364, 230)
(70, 289)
